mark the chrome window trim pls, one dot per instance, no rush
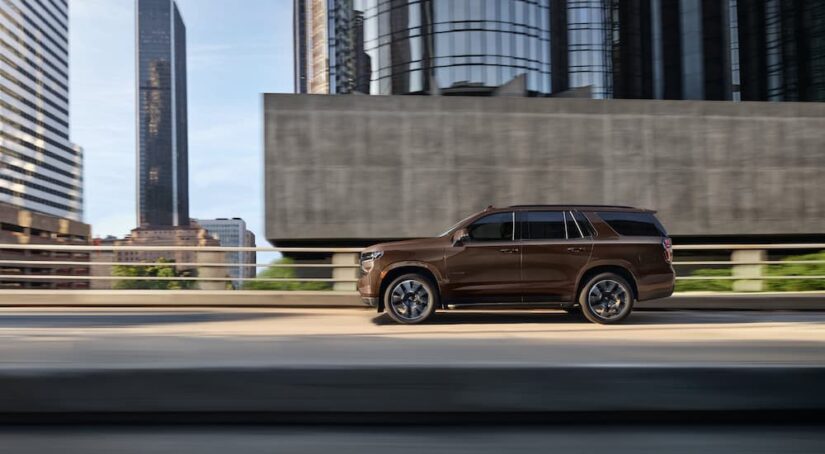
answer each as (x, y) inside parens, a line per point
(591, 229)
(581, 233)
(513, 233)
(564, 221)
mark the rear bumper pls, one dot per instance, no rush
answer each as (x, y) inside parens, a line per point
(657, 286)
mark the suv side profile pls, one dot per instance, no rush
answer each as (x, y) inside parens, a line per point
(593, 258)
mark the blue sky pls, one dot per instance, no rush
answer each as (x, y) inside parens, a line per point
(237, 49)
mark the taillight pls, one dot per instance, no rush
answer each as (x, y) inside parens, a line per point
(668, 245)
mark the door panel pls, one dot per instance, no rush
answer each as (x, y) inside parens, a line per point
(484, 272)
(553, 252)
(487, 267)
(550, 268)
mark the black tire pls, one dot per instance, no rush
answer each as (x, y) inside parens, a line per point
(418, 312)
(607, 310)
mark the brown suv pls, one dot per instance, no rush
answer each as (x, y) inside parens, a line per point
(597, 258)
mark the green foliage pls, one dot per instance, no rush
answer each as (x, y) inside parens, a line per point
(150, 271)
(283, 273)
(771, 285)
(714, 285)
(793, 269)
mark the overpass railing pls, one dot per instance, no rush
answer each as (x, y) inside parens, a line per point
(716, 268)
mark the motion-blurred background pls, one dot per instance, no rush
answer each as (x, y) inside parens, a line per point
(179, 243)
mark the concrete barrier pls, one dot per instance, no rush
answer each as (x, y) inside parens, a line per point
(177, 298)
(336, 393)
(339, 167)
(244, 298)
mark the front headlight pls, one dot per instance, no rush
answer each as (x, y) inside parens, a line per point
(368, 259)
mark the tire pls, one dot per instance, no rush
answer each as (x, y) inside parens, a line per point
(411, 298)
(606, 298)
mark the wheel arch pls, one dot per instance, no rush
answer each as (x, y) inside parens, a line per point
(616, 268)
(405, 268)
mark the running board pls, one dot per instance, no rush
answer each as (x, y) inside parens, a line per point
(538, 305)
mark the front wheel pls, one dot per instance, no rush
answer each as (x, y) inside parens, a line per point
(606, 298)
(410, 299)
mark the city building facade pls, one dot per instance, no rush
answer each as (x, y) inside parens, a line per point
(162, 143)
(34, 266)
(233, 233)
(40, 168)
(755, 50)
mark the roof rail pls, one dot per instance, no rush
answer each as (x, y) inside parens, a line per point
(579, 205)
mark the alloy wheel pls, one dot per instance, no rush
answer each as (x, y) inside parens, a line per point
(410, 299)
(608, 299)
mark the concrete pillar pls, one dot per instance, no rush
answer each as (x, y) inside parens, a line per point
(212, 271)
(750, 274)
(344, 258)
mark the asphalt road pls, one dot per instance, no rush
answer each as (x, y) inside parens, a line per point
(94, 338)
(129, 339)
(613, 438)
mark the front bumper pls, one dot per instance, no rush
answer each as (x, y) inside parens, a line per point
(371, 301)
(369, 284)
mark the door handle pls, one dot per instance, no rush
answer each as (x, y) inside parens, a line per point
(508, 250)
(575, 250)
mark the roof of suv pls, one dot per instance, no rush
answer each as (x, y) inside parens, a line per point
(583, 208)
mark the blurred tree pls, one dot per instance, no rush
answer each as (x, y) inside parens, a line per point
(771, 285)
(797, 269)
(711, 285)
(150, 271)
(283, 273)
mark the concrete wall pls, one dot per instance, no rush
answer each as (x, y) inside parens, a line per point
(376, 167)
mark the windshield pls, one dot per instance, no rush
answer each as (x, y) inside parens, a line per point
(456, 225)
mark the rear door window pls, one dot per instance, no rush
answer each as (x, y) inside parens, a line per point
(545, 225)
(633, 224)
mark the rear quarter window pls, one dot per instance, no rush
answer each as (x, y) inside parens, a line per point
(633, 224)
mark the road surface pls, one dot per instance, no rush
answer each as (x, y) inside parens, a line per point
(611, 438)
(255, 339)
(90, 338)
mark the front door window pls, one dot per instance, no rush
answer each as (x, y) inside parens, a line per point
(495, 227)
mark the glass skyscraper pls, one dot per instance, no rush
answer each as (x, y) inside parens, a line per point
(640, 49)
(40, 168)
(162, 145)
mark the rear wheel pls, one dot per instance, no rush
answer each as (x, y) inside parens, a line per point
(410, 298)
(606, 298)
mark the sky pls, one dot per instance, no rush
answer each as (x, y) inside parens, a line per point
(237, 50)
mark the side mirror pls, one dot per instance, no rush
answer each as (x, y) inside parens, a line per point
(460, 236)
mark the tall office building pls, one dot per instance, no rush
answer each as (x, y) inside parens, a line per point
(639, 49)
(40, 168)
(162, 145)
(233, 233)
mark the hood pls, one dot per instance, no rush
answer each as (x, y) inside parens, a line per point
(418, 243)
